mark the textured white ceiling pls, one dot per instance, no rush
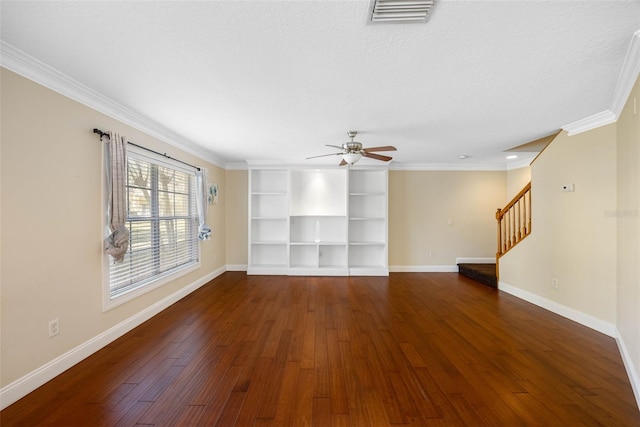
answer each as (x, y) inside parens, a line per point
(276, 80)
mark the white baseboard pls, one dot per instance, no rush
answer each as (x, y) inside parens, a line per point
(562, 310)
(632, 372)
(476, 260)
(423, 268)
(28, 383)
(236, 267)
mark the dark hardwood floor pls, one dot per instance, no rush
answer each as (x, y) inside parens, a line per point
(432, 349)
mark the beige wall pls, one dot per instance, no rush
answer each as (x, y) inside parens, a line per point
(573, 239)
(627, 216)
(51, 225)
(237, 217)
(421, 204)
(516, 180)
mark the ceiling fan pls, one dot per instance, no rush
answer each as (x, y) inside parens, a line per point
(352, 151)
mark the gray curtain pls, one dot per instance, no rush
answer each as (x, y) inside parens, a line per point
(202, 193)
(117, 243)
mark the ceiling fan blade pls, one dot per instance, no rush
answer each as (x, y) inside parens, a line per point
(385, 148)
(377, 156)
(324, 155)
(342, 163)
(335, 146)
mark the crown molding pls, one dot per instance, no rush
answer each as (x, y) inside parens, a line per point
(628, 77)
(237, 167)
(447, 167)
(597, 120)
(395, 166)
(31, 68)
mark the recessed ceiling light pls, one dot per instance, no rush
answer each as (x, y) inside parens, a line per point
(463, 156)
(512, 156)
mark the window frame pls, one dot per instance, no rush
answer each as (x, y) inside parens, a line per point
(110, 301)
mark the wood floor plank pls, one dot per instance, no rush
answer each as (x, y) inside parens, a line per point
(189, 417)
(302, 412)
(321, 412)
(410, 349)
(255, 389)
(337, 390)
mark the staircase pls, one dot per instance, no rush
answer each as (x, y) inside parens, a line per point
(514, 225)
(483, 273)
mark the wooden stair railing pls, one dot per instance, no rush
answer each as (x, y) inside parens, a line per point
(514, 222)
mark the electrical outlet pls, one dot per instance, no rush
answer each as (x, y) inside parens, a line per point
(430, 254)
(554, 283)
(54, 328)
(450, 221)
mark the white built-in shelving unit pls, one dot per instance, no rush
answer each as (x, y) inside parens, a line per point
(368, 222)
(318, 221)
(269, 221)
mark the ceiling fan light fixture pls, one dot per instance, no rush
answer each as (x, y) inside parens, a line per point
(351, 158)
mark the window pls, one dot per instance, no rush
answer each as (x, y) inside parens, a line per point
(162, 222)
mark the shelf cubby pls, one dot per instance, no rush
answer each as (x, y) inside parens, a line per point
(319, 229)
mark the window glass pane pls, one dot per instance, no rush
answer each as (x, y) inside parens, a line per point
(141, 265)
(181, 182)
(139, 202)
(167, 231)
(166, 203)
(140, 234)
(181, 205)
(166, 179)
(182, 230)
(139, 173)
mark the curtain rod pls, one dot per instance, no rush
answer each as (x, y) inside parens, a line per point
(101, 133)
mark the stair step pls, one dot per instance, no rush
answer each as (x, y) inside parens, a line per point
(483, 273)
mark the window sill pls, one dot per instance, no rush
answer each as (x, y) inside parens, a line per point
(110, 302)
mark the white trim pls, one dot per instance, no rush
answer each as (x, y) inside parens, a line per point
(236, 167)
(317, 271)
(447, 167)
(28, 383)
(236, 267)
(27, 66)
(521, 163)
(562, 310)
(368, 271)
(423, 268)
(597, 120)
(632, 372)
(476, 260)
(628, 75)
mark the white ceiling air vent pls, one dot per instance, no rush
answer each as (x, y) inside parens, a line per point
(400, 10)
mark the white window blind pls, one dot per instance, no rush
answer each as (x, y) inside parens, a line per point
(162, 222)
